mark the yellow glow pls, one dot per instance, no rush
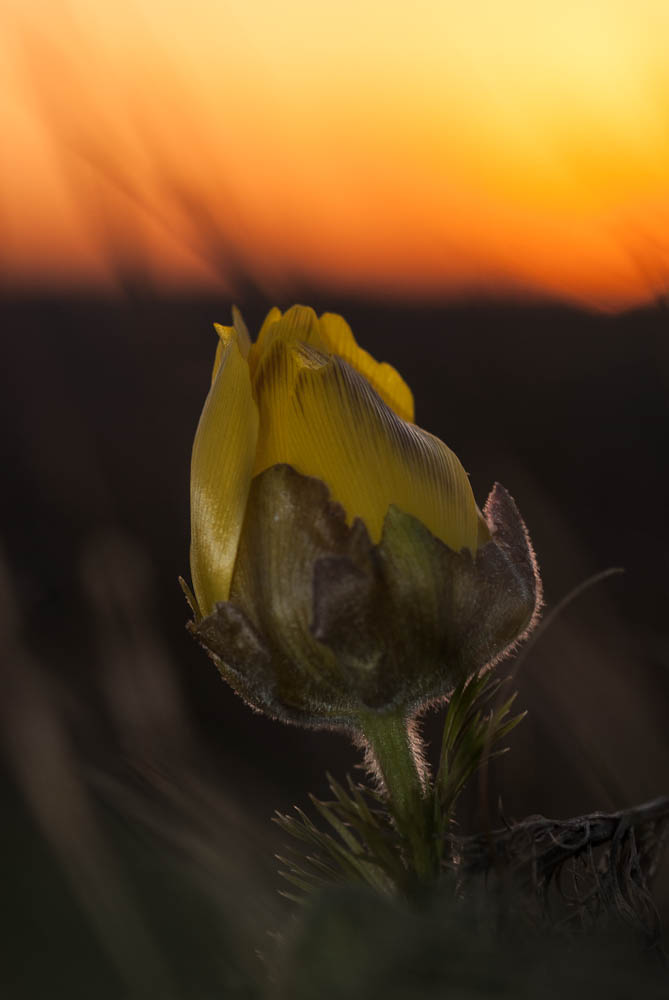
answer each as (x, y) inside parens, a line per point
(438, 146)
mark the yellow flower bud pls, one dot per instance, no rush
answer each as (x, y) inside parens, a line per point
(339, 561)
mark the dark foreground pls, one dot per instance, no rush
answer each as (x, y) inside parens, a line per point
(138, 788)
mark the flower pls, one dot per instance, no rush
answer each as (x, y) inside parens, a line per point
(340, 564)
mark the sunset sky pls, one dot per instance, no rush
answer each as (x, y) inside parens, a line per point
(519, 147)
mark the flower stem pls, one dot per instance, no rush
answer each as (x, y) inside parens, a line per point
(397, 758)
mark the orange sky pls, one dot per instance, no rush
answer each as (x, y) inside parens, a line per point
(504, 145)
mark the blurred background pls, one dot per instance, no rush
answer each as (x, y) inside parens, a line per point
(484, 195)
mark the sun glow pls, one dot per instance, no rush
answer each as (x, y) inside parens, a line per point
(513, 147)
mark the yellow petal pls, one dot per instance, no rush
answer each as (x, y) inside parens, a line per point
(243, 339)
(299, 325)
(271, 319)
(224, 335)
(321, 416)
(221, 468)
(388, 382)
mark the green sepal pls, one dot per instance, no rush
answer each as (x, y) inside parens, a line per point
(322, 627)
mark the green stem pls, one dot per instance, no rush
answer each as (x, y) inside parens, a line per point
(398, 762)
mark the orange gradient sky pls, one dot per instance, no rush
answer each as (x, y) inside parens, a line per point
(519, 147)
